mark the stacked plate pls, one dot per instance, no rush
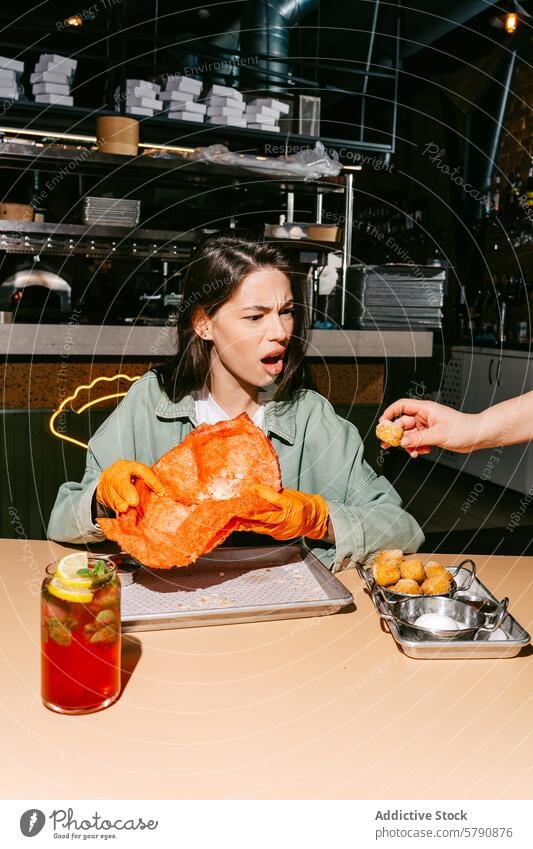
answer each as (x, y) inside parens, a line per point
(401, 296)
(122, 213)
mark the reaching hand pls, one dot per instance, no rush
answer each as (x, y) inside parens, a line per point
(426, 423)
(293, 514)
(115, 488)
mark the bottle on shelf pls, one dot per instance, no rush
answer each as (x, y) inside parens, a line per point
(518, 183)
(529, 187)
(496, 195)
(489, 313)
(38, 198)
(464, 318)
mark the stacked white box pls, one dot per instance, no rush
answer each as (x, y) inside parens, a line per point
(225, 106)
(52, 79)
(271, 103)
(180, 99)
(184, 84)
(10, 71)
(141, 98)
(263, 113)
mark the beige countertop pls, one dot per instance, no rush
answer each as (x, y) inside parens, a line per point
(75, 340)
(324, 707)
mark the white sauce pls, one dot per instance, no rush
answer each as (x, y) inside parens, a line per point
(437, 622)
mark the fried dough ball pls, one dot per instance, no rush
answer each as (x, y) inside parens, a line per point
(432, 568)
(390, 556)
(385, 574)
(413, 570)
(389, 432)
(405, 585)
(437, 584)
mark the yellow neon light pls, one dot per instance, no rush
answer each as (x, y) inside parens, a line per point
(53, 417)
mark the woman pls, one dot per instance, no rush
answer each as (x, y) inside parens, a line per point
(242, 330)
(426, 424)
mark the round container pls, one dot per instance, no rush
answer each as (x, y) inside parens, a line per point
(324, 232)
(127, 567)
(389, 595)
(462, 580)
(117, 134)
(470, 621)
(485, 605)
(80, 644)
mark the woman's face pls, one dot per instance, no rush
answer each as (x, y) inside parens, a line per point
(251, 331)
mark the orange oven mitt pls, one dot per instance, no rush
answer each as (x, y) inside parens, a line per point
(116, 490)
(293, 514)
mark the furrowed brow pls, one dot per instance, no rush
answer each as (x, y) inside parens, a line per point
(266, 308)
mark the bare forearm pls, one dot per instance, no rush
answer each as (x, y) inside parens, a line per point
(508, 423)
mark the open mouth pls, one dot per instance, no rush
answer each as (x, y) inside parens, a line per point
(273, 365)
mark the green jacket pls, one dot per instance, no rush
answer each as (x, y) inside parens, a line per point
(319, 452)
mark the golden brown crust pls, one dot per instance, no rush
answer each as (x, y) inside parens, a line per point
(389, 432)
(405, 585)
(433, 567)
(390, 556)
(413, 570)
(385, 574)
(437, 584)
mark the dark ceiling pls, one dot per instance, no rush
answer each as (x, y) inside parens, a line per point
(141, 39)
(341, 26)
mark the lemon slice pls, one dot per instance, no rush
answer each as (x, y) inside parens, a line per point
(67, 570)
(80, 594)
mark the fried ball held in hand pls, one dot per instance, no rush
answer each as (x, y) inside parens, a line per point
(389, 432)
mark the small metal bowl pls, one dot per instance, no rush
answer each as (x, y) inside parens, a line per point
(127, 567)
(470, 621)
(462, 579)
(486, 606)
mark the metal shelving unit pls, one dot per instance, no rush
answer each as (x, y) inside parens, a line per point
(80, 121)
(57, 157)
(27, 237)
(104, 241)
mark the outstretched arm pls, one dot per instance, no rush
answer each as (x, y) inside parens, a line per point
(426, 424)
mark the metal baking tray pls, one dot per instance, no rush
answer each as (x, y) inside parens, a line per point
(248, 584)
(506, 641)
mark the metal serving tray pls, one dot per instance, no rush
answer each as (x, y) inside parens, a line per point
(233, 585)
(506, 641)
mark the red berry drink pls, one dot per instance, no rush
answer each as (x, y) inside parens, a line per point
(80, 634)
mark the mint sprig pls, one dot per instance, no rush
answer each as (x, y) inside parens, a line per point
(99, 569)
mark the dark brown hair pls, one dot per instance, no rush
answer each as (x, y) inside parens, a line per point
(217, 270)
